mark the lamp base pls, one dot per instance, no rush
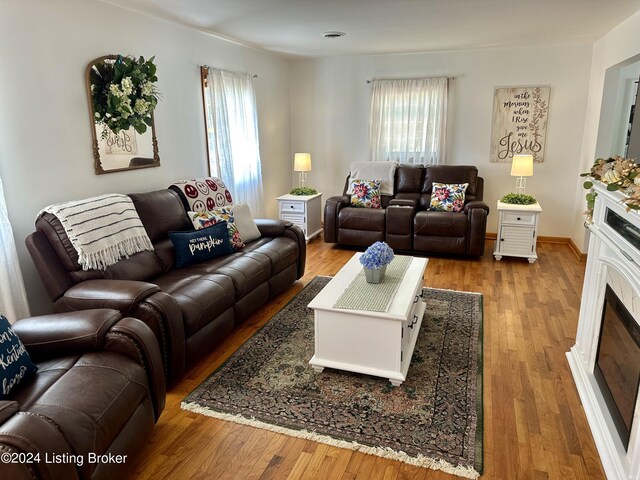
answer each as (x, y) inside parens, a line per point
(302, 179)
(521, 184)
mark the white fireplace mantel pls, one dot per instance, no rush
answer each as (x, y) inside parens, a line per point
(612, 260)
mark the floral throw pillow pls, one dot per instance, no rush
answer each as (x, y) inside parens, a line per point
(448, 197)
(366, 193)
(206, 219)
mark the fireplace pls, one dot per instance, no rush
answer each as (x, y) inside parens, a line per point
(605, 360)
(617, 366)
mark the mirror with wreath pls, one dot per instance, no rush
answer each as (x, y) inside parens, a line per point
(122, 96)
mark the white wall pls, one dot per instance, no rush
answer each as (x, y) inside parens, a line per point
(618, 48)
(330, 116)
(45, 140)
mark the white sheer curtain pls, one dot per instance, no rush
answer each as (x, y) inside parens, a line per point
(13, 298)
(232, 126)
(408, 120)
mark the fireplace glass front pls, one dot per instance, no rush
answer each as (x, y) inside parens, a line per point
(617, 368)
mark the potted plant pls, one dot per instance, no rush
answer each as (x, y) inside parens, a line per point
(518, 199)
(375, 260)
(298, 191)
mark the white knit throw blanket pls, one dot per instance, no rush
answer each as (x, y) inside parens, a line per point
(102, 229)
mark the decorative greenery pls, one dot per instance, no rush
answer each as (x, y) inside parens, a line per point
(124, 94)
(377, 256)
(303, 191)
(617, 173)
(518, 199)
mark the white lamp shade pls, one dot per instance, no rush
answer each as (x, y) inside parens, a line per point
(302, 162)
(522, 166)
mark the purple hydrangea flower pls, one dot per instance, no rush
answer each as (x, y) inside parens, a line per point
(377, 256)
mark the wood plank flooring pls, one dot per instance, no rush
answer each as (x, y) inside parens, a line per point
(534, 425)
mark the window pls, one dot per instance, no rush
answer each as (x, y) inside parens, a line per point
(408, 119)
(232, 134)
(13, 298)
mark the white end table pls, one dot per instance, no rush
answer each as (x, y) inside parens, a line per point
(304, 211)
(517, 231)
(373, 343)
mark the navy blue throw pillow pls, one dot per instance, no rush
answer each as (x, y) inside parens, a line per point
(15, 364)
(199, 245)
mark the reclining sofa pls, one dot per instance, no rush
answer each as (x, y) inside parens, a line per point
(189, 309)
(405, 221)
(98, 392)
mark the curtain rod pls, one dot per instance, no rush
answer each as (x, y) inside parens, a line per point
(255, 75)
(371, 81)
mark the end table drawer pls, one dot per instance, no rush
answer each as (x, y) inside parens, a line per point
(298, 219)
(519, 218)
(294, 207)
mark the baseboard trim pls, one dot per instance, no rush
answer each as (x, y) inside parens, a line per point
(577, 251)
(557, 240)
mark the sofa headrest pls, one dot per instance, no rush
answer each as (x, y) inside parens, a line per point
(161, 211)
(409, 178)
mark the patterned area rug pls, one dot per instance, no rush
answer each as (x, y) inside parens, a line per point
(434, 419)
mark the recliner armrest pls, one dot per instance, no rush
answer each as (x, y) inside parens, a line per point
(270, 227)
(476, 204)
(332, 208)
(66, 333)
(123, 295)
(133, 338)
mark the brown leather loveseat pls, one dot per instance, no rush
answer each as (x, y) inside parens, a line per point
(405, 221)
(97, 393)
(189, 309)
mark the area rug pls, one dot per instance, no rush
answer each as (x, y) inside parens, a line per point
(433, 420)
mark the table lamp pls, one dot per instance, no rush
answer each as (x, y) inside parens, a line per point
(302, 164)
(521, 166)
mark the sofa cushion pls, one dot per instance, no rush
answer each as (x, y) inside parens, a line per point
(281, 252)
(199, 245)
(448, 197)
(362, 218)
(365, 193)
(247, 273)
(201, 296)
(440, 224)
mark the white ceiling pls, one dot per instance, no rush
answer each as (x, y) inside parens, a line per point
(295, 27)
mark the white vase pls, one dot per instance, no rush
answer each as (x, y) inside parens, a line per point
(374, 275)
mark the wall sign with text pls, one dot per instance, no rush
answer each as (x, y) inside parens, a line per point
(519, 122)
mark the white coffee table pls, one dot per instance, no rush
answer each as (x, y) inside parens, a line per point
(373, 343)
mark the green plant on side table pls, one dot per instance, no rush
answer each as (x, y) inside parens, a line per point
(518, 199)
(303, 191)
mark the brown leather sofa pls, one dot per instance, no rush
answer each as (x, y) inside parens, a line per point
(95, 398)
(189, 309)
(405, 222)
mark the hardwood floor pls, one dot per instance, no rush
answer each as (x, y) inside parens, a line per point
(534, 425)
